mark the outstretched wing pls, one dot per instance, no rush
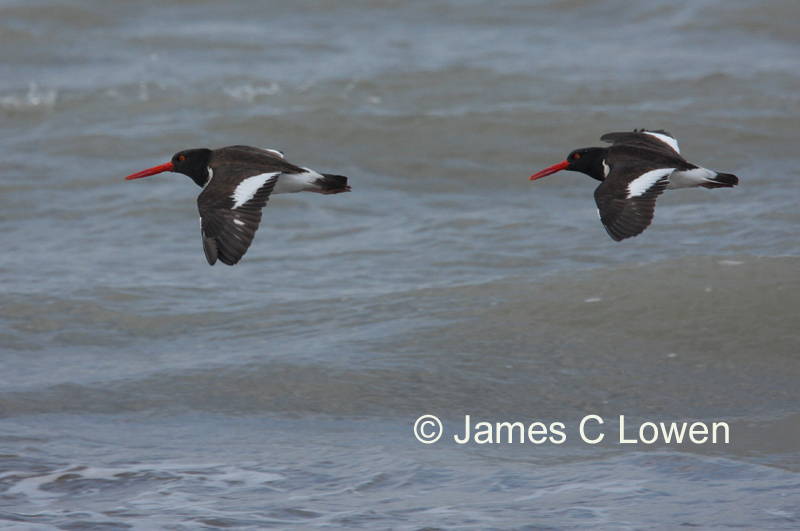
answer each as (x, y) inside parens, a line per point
(659, 140)
(228, 222)
(626, 201)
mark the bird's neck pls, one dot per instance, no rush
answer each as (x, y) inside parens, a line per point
(198, 168)
(597, 173)
(203, 176)
(596, 166)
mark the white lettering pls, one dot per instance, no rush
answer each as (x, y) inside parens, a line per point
(701, 429)
(622, 439)
(466, 432)
(673, 430)
(583, 434)
(655, 433)
(714, 431)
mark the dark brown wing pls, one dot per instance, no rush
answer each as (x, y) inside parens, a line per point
(264, 159)
(626, 200)
(229, 221)
(658, 140)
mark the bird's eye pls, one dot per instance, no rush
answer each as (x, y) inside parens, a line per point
(182, 157)
(576, 156)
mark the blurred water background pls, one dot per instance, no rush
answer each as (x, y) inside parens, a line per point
(142, 389)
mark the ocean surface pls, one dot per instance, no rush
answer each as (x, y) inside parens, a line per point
(142, 389)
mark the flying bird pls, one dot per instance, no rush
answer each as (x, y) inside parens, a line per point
(633, 172)
(237, 182)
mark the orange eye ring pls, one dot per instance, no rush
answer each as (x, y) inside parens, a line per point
(182, 157)
(576, 156)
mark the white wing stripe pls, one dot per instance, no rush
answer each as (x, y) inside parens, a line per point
(274, 152)
(671, 142)
(248, 188)
(644, 182)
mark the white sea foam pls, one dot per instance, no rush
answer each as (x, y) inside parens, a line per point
(248, 93)
(33, 98)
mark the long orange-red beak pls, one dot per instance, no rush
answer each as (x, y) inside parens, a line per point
(151, 171)
(551, 170)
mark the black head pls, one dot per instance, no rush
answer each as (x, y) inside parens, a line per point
(194, 163)
(191, 162)
(584, 160)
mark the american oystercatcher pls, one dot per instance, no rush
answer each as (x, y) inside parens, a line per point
(633, 172)
(237, 182)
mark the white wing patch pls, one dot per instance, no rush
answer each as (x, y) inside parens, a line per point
(644, 182)
(668, 140)
(275, 152)
(248, 188)
(210, 176)
(606, 169)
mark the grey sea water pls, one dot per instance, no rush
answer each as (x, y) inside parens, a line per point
(142, 389)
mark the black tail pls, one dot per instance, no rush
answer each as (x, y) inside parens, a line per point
(332, 184)
(722, 180)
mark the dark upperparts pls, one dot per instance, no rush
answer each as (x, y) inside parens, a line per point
(195, 163)
(263, 160)
(590, 161)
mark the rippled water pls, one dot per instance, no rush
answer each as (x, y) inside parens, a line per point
(140, 388)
